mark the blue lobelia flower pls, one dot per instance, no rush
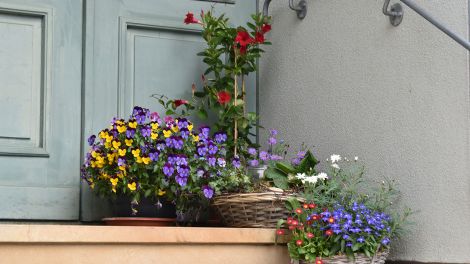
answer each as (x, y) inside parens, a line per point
(385, 241)
(361, 239)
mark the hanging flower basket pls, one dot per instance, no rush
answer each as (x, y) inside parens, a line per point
(379, 258)
(262, 210)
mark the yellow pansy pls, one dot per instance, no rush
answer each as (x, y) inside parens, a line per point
(154, 126)
(111, 157)
(128, 142)
(154, 136)
(133, 124)
(167, 133)
(93, 164)
(92, 184)
(121, 129)
(123, 168)
(120, 175)
(132, 186)
(104, 175)
(116, 144)
(120, 122)
(175, 128)
(109, 138)
(107, 145)
(114, 190)
(138, 159)
(94, 154)
(122, 152)
(136, 152)
(114, 181)
(103, 134)
(195, 138)
(146, 160)
(190, 127)
(161, 193)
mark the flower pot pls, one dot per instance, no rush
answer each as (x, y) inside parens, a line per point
(146, 207)
(379, 258)
(257, 173)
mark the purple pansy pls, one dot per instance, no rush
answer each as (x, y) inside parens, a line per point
(168, 170)
(130, 133)
(208, 192)
(91, 140)
(220, 137)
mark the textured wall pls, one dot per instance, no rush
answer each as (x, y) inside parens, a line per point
(347, 82)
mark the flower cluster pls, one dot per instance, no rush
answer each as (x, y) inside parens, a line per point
(346, 229)
(273, 153)
(148, 156)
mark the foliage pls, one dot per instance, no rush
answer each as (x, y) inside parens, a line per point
(151, 157)
(231, 54)
(348, 216)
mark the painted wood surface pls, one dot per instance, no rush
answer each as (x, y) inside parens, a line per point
(40, 102)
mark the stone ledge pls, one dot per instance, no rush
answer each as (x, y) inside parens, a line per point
(78, 234)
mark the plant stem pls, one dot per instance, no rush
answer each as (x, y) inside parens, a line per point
(235, 132)
(243, 95)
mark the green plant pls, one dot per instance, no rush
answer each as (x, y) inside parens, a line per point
(231, 55)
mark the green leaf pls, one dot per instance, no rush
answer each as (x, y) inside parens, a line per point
(285, 167)
(336, 247)
(308, 163)
(356, 246)
(169, 112)
(200, 94)
(202, 114)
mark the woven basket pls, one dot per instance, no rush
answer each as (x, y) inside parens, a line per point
(379, 258)
(252, 209)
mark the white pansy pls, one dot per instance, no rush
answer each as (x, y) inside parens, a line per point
(335, 158)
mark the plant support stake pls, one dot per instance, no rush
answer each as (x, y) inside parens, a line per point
(396, 16)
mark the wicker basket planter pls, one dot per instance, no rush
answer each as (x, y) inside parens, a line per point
(360, 259)
(252, 209)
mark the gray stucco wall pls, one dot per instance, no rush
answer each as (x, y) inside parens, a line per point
(347, 82)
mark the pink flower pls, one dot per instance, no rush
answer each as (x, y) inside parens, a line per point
(154, 117)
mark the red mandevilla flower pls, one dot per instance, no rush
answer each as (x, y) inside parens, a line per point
(295, 222)
(315, 217)
(310, 235)
(298, 242)
(318, 261)
(259, 37)
(298, 210)
(180, 102)
(329, 232)
(312, 206)
(305, 206)
(243, 38)
(223, 97)
(265, 28)
(289, 220)
(189, 19)
(280, 232)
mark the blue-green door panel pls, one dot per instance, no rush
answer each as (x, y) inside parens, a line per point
(40, 102)
(138, 48)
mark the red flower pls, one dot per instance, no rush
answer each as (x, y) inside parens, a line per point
(298, 242)
(259, 37)
(265, 28)
(318, 261)
(289, 220)
(243, 38)
(298, 210)
(329, 232)
(331, 220)
(312, 206)
(315, 217)
(190, 19)
(295, 222)
(280, 232)
(243, 49)
(310, 235)
(223, 97)
(180, 102)
(305, 206)
(291, 227)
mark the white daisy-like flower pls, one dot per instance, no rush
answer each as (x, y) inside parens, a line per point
(311, 179)
(335, 158)
(322, 176)
(334, 165)
(300, 176)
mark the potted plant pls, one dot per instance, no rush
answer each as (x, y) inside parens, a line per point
(344, 224)
(160, 159)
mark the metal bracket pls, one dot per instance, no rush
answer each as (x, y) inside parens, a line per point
(395, 13)
(300, 9)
